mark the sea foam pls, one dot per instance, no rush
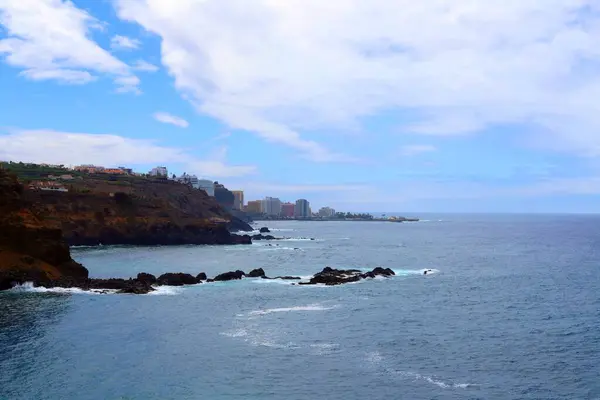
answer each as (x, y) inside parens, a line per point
(313, 307)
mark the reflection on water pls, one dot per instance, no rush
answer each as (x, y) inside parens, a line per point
(24, 320)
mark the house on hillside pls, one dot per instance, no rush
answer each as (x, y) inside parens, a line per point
(47, 186)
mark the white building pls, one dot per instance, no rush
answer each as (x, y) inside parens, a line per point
(208, 186)
(159, 171)
(326, 212)
(271, 206)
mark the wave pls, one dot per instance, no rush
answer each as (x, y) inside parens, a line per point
(434, 381)
(166, 291)
(303, 278)
(28, 287)
(406, 272)
(375, 358)
(269, 248)
(312, 307)
(300, 239)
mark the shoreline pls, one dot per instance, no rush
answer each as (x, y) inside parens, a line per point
(338, 219)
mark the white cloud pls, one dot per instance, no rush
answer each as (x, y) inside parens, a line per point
(277, 67)
(119, 42)
(416, 149)
(141, 65)
(70, 76)
(167, 118)
(54, 147)
(50, 40)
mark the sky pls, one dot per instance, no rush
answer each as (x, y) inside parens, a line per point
(362, 105)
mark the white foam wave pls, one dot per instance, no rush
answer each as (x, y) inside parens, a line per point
(434, 381)
(30, 288)
(405, 272)
(270, 248)
(165, 291)
(313, 307)
(376, 358)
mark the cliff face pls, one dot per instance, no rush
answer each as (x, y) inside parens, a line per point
(31, 249)
(136, 211)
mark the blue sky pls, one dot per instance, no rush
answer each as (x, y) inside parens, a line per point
(441, 106)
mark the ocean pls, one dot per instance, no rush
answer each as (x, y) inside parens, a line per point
(511, 311)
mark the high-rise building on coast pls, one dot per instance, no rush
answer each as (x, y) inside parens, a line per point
(302, 209)
(271, 206)
(287, 210)
(238, 199)
(254, 207)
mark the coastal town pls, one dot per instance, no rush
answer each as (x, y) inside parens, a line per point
(57, 178)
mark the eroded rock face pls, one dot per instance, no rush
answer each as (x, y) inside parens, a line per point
(330, 276)
(229, 276)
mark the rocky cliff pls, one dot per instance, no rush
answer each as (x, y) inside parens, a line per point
(136, 211)
(31, 249)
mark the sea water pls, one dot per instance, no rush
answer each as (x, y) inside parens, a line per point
(511, 311)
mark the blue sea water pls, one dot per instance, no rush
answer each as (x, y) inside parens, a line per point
(511, 312)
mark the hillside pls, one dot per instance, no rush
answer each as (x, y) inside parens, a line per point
(124, 209)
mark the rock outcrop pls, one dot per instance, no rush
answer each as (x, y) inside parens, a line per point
(176, 279)
(201, 277)
(264, 229)
(256, 273)
(330, 276)
(229, 276)
(145, 277)
(264, 237)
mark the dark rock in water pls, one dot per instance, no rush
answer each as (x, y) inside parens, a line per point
(256, 273)
(229, 276)
(201, 277)
(145, 277)
(210, 280)
(176, 279)
(133, 286)
(384, 272)
(264, 229)
(264, 237)
(330, 276)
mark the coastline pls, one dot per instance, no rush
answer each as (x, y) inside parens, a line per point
(401, 219)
